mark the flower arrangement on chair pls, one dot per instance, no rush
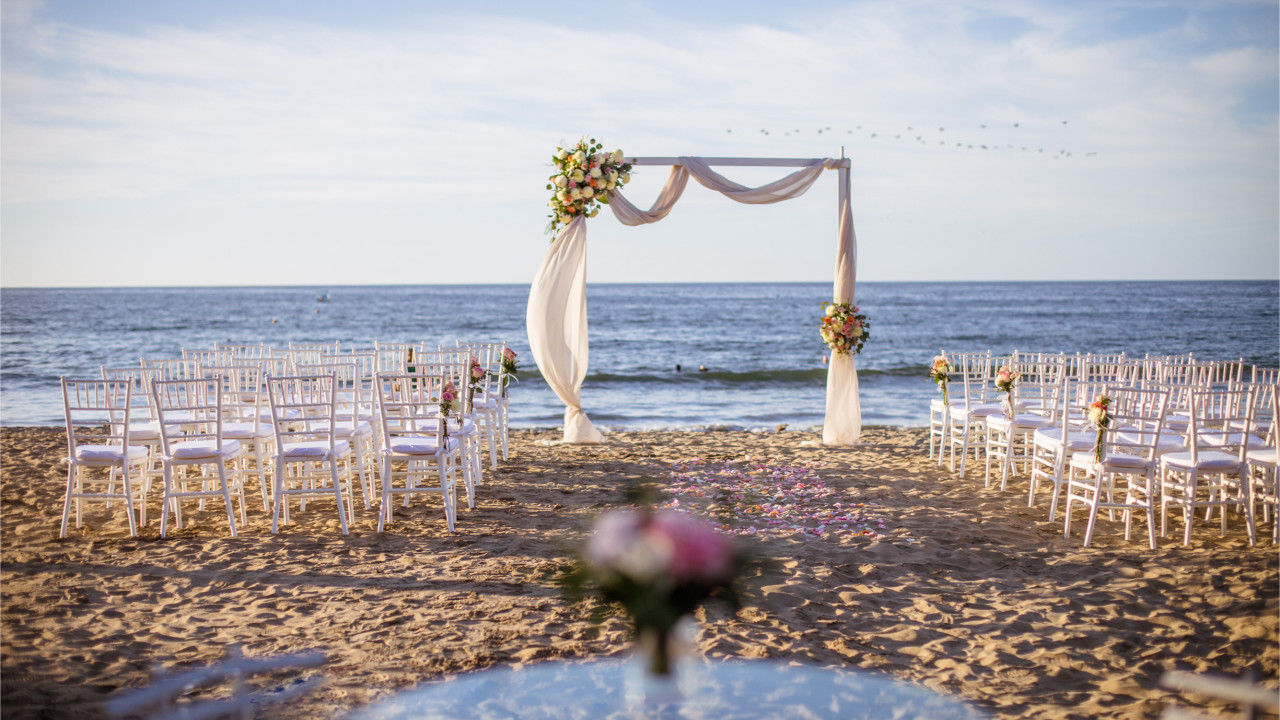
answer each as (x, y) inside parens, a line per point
(509, 368)
(448, 396)
(659, 566)
(477, 376)
(1006, 377)
(1099, 416)
(843, 328)
(940, 374)
(584, 177)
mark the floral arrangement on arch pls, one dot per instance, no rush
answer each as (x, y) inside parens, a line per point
(582, 182)
(843, 328)
(659, 566)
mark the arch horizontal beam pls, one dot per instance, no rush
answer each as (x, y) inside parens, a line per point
(740, 162)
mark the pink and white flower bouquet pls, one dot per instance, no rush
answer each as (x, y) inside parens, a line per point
(660, 566)
(843, 328)
(1006, 377)
(509, 368)
(582, 182)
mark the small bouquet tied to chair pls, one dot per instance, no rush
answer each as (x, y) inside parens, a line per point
(940, 374)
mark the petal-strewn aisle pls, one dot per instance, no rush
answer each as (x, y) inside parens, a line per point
(918, 575)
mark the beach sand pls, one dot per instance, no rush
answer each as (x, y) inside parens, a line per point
(965, 590)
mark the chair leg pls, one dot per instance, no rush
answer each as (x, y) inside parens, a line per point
(337, 493)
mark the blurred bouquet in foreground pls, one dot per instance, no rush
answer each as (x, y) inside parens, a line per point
(660, 566)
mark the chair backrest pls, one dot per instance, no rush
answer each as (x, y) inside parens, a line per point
(1265, 375)
(1217, 419)
(245, 352)
(303, 409)
(175, 368)
(333, 348)
(394, 356)
(1137, 418)
(975, 376)
(141, 395)
(243, 394)
(209, 357)
(189, 411)
(409, 405)
(97, 412)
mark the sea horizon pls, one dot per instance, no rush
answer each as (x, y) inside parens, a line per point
(759, 340)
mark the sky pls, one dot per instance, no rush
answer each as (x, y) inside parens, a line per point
(303, 142)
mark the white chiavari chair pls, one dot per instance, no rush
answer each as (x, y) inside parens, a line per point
(308, 450)
(1128, 449)
(191, 417)
(98, 416)
(1210, 473)
(416, 447)
(967, 417)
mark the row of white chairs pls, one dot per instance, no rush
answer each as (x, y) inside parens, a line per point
(206, 430)
(1184, 433)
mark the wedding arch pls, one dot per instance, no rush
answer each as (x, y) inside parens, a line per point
(557, 313)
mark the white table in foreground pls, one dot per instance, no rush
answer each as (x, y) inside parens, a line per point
(723, 690)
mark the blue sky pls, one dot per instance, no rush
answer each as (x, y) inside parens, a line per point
(238, 142)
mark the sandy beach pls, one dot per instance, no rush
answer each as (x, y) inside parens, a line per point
(938, 582)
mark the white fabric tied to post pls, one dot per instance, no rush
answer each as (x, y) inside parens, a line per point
(557, 312)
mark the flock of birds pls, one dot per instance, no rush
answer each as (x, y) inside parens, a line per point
(918, 136)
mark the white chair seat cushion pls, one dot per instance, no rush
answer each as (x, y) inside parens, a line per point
(1051, 437)
(144, 431)
(1229, 439)
(1262, 457)
(246, 431)
(109, 453)
(1209, 460)
(314, 449)
(196, 449)
(1112, 461)
(420, 445)
(347, 429)
(1166, 443)
(959, 412)
(1019, 422)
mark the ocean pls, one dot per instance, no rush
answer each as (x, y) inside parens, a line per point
(758, 341)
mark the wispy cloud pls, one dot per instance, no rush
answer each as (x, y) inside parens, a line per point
(944, 104)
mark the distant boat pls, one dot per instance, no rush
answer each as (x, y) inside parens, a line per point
(322, 297)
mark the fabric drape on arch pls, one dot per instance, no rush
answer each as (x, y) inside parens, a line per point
(557, 313)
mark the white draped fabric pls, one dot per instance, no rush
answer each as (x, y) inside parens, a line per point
(557, 312)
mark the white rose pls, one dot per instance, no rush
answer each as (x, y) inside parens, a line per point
(578, 176)
(579, 157)
(831, 310)
(595, 172)
(561, 195)
(611, 186)
(588, 192)
(562, 181)
(561, 153)
(576, 194)
(613, 174)
(618, 157)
